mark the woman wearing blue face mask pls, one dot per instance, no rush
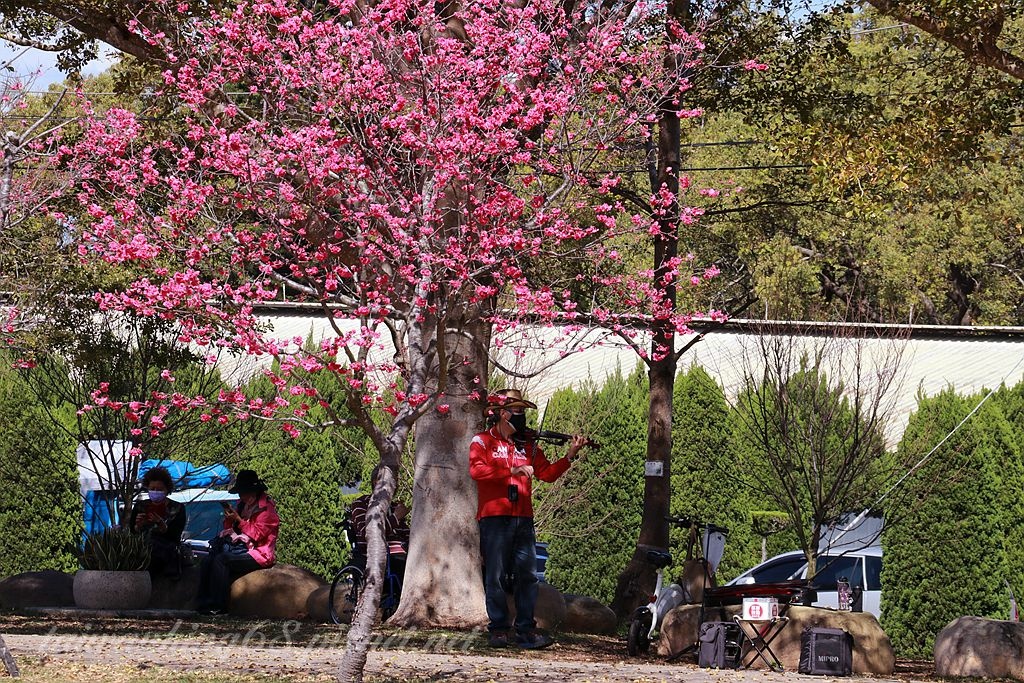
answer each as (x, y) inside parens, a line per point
(162, 519)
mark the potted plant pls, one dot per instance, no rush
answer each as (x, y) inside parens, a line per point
(114, 573)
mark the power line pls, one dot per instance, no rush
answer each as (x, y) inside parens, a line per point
(753, 167)
(880, 28)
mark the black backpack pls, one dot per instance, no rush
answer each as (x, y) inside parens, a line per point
(719, 645)
(826, 652)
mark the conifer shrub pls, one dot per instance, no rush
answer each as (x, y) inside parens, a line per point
(305, 476)
(705, 484)
(592, 523)
(946, 544)
(40, 505)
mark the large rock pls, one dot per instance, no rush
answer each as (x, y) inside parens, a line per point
(550, 610)
(47, 588)
(975, 646)
(280, 592)
(588, 615)
(316, 605)
(872, 651)
(178, 592)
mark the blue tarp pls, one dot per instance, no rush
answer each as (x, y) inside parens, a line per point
(100, 510)
(186, 475)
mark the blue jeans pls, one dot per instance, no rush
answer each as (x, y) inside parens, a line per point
(509, 546)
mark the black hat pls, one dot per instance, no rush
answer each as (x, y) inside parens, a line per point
(248, 481)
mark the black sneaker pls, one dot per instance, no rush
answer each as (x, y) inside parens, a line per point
(497, 639)
(533, 640)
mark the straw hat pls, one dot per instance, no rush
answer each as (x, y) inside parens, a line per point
(506, 399)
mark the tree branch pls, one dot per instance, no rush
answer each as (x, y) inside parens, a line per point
(979, 46)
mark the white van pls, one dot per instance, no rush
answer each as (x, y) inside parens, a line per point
(861, 567)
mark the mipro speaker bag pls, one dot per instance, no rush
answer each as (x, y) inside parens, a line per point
(826, 652)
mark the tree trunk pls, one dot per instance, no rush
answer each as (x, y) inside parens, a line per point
(356, 645)
(443, 584)
(8, 660)
(637, 580)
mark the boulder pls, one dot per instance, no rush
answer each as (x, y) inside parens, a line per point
(316, 606)
(588, 615)
(280, 592)
(550, 610)
(872, 651)
(47, 588)
(975, 646)
(178, 592)
(679, 629)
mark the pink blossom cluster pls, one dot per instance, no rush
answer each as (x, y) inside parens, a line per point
(398, 167)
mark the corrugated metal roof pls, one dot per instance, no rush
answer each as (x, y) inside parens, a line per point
(966, 359)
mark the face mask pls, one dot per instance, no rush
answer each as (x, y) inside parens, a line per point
(518, 421)
(157, 496)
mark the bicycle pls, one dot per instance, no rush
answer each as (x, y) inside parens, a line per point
(348, 583)
(646, 620)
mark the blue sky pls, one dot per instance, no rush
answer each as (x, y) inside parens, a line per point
(27, 61)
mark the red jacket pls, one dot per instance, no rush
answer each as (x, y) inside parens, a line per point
(261, 524)
(491, 460)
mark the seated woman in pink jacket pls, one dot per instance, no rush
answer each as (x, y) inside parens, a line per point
(244, 545)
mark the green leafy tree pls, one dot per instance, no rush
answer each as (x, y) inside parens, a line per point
(879, 174)
(959, 516)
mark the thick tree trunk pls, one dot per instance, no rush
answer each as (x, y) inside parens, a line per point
(443, 585)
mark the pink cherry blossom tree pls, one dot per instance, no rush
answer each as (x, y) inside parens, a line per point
(404, 166)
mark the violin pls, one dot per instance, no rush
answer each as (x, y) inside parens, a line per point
(557, 438)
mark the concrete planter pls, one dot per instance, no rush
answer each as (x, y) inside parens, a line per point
(104, 589)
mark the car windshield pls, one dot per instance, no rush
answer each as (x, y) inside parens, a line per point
(831, 568)
(778, 571)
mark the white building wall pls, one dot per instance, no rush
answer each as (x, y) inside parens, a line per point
(927, 365)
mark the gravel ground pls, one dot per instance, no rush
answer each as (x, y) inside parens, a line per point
(390, 664)
(300, 652)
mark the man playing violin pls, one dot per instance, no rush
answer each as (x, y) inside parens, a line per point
(504, 472)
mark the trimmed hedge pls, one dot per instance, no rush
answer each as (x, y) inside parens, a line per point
(704, 476)
(305, 476)
(591, 521)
